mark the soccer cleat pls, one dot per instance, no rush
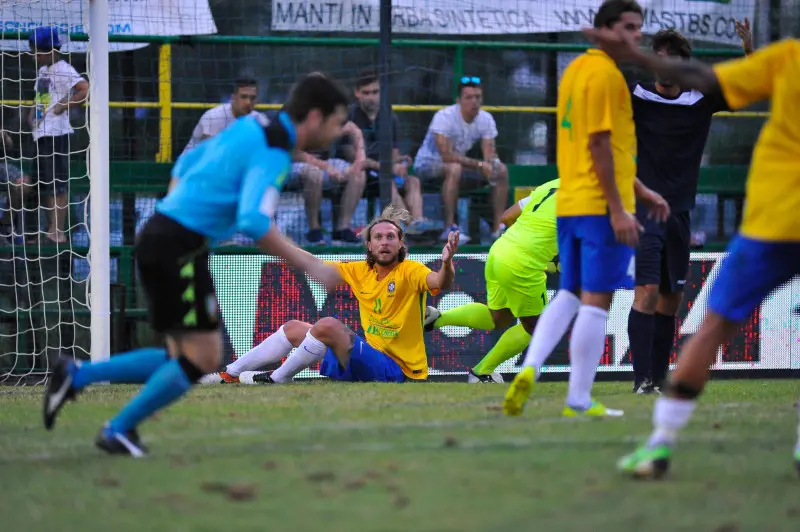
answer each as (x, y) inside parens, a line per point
(646, 388)
(59, 390)
(646, 462)
(226, 377)
(119, 443)
(519, 391)
(263, 378)
(431, 315)
(492, 378)
(595, 410)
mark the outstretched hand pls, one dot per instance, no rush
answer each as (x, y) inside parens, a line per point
(450, 247)
(743, 29)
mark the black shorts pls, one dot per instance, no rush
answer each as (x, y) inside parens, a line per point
(662, 257)
(173, 268)
(51, 167)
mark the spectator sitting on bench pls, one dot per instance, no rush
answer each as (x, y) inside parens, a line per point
(442, 156)
(406, 189)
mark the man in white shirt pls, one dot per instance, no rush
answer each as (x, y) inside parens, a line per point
(213, 121)
(243, 101)
(58, 88)
(442, 156)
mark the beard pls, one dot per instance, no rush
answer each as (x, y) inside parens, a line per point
(385, 259)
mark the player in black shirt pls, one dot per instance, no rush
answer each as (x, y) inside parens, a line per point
(672, 127)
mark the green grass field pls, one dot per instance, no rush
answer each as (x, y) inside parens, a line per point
(415, 457)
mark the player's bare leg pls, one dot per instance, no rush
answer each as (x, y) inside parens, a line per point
(673, 412)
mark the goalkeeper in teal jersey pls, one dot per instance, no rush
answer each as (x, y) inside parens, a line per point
(516, 281)
(229, 183)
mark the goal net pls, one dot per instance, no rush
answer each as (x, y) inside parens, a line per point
(58, 223)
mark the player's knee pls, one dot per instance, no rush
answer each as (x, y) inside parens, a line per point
(326, 329)
(645, 298)
(668, 304)
(529, 323)
(295, 331)
(682, 390)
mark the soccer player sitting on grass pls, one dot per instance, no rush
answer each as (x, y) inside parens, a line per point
(390, 290)
(516, 281)
(230, 182)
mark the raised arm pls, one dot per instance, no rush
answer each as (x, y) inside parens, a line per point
(443, 279)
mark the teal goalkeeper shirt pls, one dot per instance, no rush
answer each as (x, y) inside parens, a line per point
(232, 181)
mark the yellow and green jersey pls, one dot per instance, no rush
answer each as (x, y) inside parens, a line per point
(532, 242)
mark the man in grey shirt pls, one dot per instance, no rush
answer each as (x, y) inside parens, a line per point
(442, 156)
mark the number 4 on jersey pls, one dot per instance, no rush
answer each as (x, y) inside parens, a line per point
(566, 121)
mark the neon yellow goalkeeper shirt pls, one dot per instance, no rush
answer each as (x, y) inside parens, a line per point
(532, 242)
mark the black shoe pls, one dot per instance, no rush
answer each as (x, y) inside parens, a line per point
(264, 378)
(345, 237)
(59, 390)
(315, 237)
(646, 388)
(492, 378)
(118, 443)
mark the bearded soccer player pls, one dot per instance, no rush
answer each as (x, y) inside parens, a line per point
(766, 252)
(672, 124)
(391, 291)
(228, 183)
(597, 228)
(516, 282)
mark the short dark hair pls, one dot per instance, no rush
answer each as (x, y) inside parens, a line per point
(366, 77)
(244, 82)
(674, 42)
(315, 91)
(473, 82)
(612, 10)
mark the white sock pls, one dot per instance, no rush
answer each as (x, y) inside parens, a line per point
(270, 351)
(551, 327)
(308, 353)
(585, 351)
(669, 416)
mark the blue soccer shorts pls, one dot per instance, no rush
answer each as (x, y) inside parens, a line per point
(367, 364)
(591, 258)
(752, 270)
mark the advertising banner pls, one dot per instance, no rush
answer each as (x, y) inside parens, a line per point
(705, 20)
(257, 294)
(127, 17)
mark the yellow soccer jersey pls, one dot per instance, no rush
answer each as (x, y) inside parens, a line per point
(592, 98)
(392, 311)
(532, 242)
(773, 185)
